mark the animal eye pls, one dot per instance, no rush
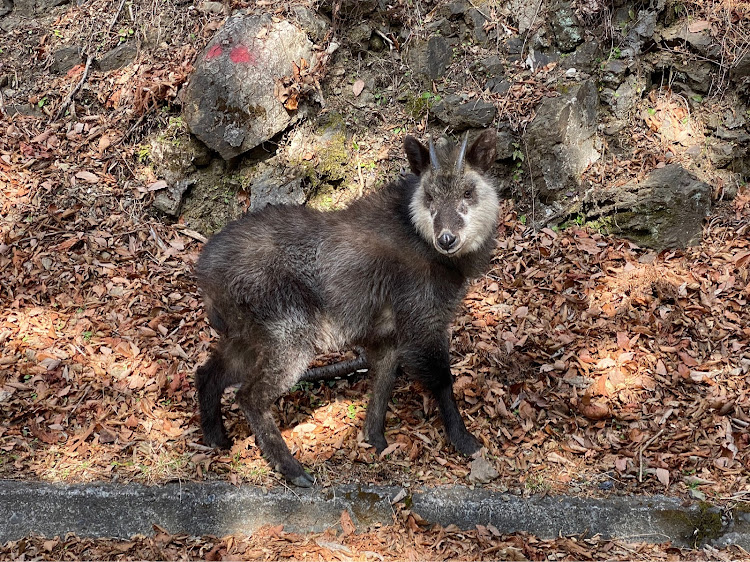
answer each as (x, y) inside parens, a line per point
(427, 197)
(468, 194)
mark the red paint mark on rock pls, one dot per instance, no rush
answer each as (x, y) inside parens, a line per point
(213, 52)
(241, 54)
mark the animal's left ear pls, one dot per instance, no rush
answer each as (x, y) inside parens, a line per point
(482, 152)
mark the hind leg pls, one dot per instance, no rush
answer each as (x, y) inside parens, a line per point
(384, 367)
(256, 397)
(211, 379)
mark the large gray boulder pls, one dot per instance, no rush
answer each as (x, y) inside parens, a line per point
(229, 102)
(560, 140)
(665, 210)
(460, 115)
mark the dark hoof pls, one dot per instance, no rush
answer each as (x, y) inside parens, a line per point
(303, 480)
(467, 444)
(377, 441)
(293, 471)
(218, 442)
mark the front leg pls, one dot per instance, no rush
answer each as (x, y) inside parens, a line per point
(462, 440)
(431, 364)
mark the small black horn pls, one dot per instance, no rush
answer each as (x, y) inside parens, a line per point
(433, 157)
(462, 154)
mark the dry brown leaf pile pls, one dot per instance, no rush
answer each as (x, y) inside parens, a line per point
(405, 541)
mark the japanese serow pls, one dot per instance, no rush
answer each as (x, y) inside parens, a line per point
(386, 274)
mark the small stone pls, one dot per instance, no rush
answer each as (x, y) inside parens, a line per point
(476, 20)
(430, 58)
(274, 187)
(169, 200)
(212, 8)
(441, 26)
(700, 75)
(734, 120)
(453, 9)
(505, 144)
(65, 58)
(720, 153)
(482, 471)
(741, 67)
(497, 86)
(514, 45)
(737, 135)
(493, 66)
(565, 27)
(584, 58)
(120, 56)
(359, 36)
(316, 25)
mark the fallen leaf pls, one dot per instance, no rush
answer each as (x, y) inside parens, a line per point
(160, 184)
(593, 410)
(698, 26)
(88, 177)
(347, 525)
(663, 475)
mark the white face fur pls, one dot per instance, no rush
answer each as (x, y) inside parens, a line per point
(463, 207)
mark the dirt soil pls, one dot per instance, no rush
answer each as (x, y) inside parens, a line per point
(584, 364)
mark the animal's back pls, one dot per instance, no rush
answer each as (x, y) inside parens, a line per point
(334, 268)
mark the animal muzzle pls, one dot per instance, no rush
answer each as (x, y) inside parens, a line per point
(447, 242)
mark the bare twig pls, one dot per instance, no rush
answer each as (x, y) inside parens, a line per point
(89, 59)
(533, 21)
(645, 446)
(74, 91)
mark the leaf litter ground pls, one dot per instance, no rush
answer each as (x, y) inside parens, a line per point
(585, 365)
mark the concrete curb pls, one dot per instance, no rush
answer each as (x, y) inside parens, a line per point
(121, 511)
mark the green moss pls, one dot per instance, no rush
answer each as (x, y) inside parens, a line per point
(695, 527)
(418, 105)
(143, 153)
(332, 164)
(629, 224)
(323, 198)
(333, 159)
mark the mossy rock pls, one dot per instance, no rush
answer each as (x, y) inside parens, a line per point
(212, 200)
(322, 153)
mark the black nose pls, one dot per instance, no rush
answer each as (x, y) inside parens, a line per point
(446, 240)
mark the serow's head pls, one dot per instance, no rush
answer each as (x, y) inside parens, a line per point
(455, 206)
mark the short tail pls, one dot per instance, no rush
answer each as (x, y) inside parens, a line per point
(337, 370)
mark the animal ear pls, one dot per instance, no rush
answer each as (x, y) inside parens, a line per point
(481, 153)
(417, 154)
